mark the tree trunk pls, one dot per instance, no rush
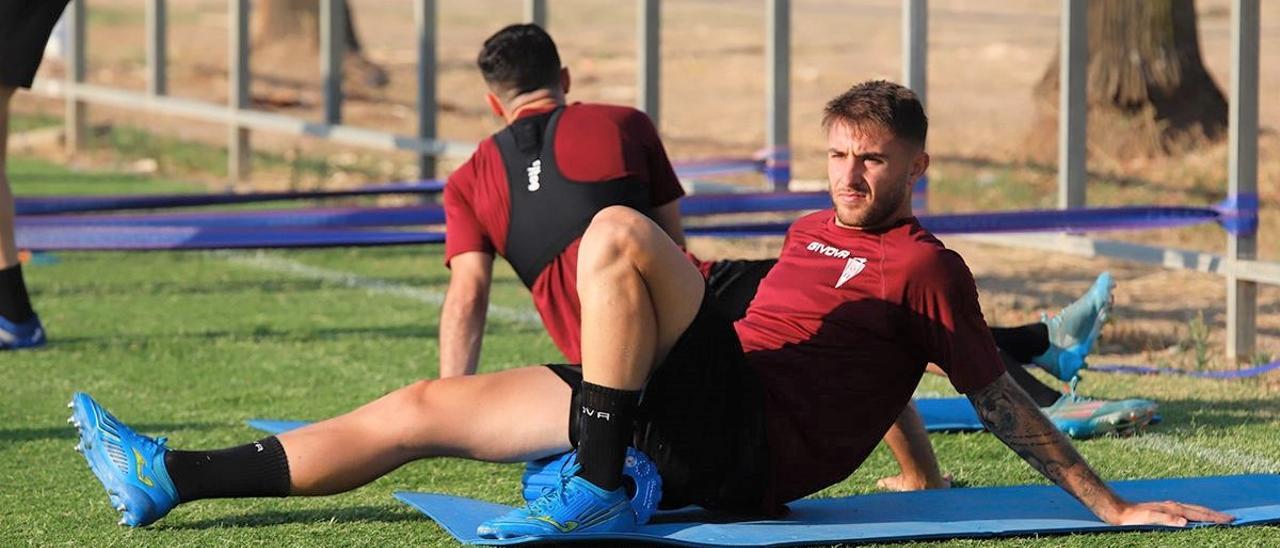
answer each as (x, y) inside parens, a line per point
(1148, 91)
(294, 25)
(277, 21)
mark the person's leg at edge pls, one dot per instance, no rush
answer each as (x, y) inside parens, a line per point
(909, 442)
(507, 416)
(15, 304)
(8, 251)
(639, 293)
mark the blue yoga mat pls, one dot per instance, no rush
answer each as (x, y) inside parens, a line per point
(164, 238)
(949, 415)
(921, 515)
(939, 414)
(52, 205)
(693, 206)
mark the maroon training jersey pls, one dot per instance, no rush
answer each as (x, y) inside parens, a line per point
(593, 143)
(840, 332)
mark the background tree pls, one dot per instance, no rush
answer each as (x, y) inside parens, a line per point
(287, 25)
(1148, 91)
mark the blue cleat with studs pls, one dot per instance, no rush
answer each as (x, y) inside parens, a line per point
(129, 465)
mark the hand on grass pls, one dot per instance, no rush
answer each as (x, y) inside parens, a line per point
(1173, 514)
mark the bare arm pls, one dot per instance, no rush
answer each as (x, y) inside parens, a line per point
(1010, 414)
(462, 317)
(668, 217)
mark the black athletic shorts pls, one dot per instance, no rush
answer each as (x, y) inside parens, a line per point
(24, 30)
(733, 284)
(701, 419)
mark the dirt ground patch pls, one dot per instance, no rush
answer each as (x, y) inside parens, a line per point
(984, 59)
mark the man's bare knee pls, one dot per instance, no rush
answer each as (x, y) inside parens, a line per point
(616, 232)
(409, 414)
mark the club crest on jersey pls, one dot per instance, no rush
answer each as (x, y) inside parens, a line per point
(824, 249)
(534, 171)
(852, 268)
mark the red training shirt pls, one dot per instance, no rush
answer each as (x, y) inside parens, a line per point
(840, 332)
(593, 143)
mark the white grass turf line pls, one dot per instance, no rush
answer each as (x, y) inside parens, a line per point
(263, 261)
(1233, 459)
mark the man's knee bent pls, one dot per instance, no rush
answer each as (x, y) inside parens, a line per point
(617, 232)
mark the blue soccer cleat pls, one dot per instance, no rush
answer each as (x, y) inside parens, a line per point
(129, 465)
(639, 474)
(543, 475)
(1081, 417)
(28, 334)
(575, 506)
(1074, 330)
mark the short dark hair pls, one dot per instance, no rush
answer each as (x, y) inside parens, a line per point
(879, 103)
(519, 59)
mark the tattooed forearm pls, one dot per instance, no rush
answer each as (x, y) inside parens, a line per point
(1010, 414)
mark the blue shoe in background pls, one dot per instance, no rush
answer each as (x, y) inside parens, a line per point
(129, 465)
(28, 334)
(1081, 417)
(1074, 330)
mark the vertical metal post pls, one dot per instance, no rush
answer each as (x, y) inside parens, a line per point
(238, 152)
(778, 93)
(535, 11)
(648, 57)
(332, 22)
(915, 46)
(1072, 109)
(157, 56)
(424, 17)
(1242, 167)
(75, 108)
(915, 74)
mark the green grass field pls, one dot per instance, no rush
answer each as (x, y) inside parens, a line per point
(189, 345)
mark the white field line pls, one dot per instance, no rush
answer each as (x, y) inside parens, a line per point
(263, 261)
(1233, 459)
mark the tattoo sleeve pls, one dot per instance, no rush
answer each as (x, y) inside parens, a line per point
(1009, 413)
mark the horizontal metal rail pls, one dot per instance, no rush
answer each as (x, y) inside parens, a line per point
(1171, 258)
(210, 112)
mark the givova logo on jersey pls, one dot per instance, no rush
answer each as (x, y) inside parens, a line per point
(852, 266)
(830, 251)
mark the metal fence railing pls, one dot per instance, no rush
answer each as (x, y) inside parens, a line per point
(1238, 265)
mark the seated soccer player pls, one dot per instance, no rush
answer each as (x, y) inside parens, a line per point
(740, 416)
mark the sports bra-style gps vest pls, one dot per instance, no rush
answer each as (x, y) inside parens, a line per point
(548, 211)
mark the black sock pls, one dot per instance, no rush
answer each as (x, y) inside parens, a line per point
(1039, 392)
(604, 432)
(15, 304)
(258, 469)
(1023, 342)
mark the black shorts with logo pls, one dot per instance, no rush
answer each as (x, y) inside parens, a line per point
(701, 419)
(24, 30)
